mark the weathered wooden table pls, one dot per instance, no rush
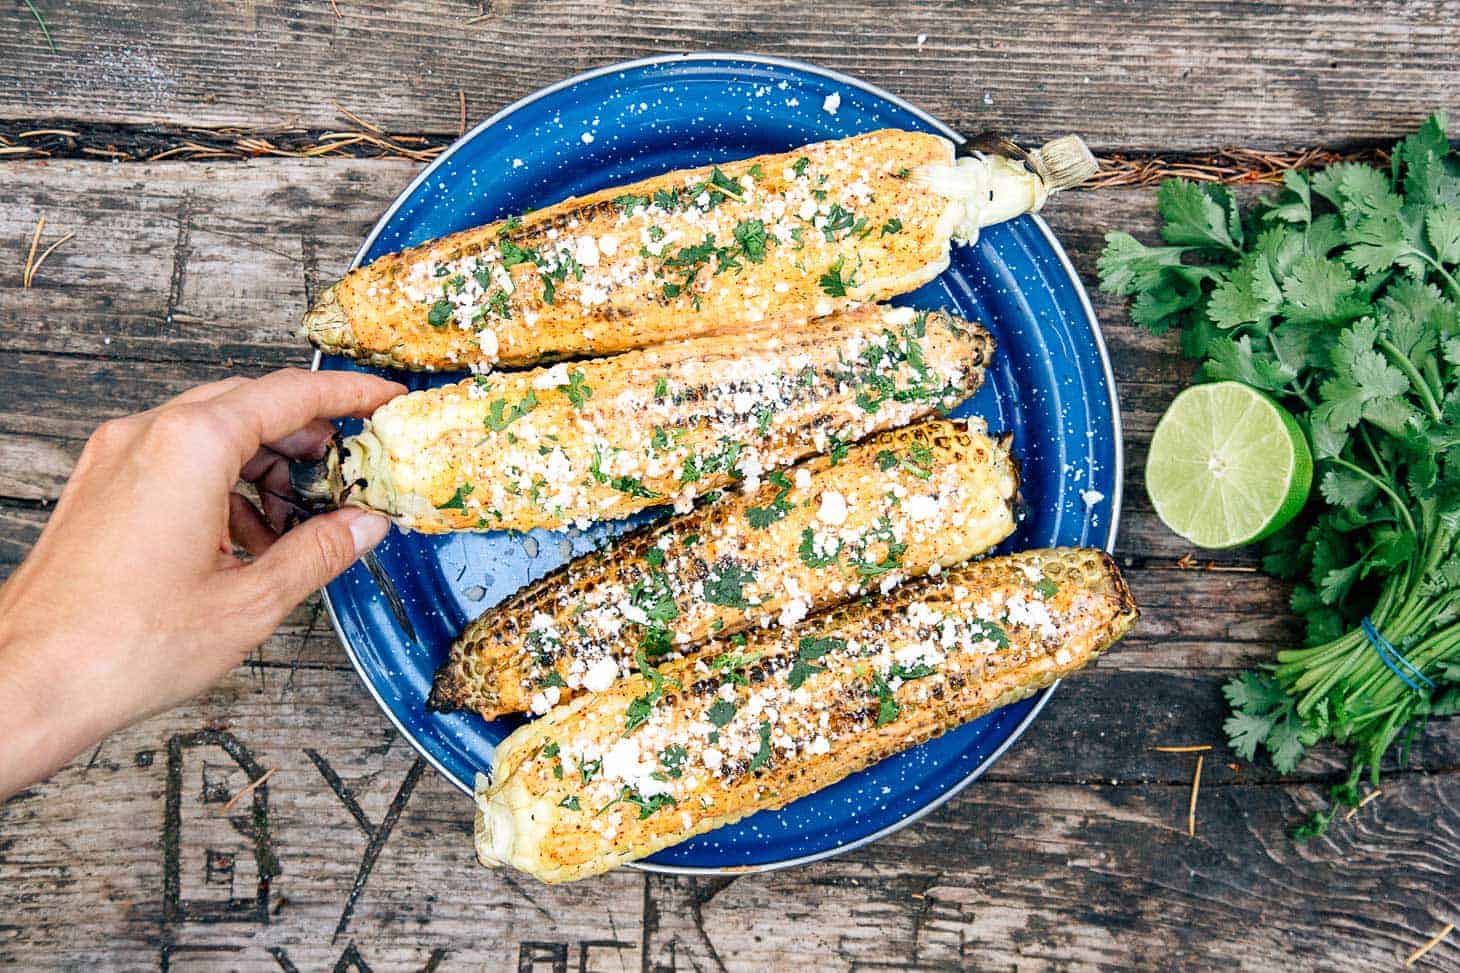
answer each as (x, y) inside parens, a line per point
(1073, 853)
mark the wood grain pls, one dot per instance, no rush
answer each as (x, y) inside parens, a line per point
(1071, 854)
(1132, 76)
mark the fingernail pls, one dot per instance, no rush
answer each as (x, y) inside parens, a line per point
(367, 530)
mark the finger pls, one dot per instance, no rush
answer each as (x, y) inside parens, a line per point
(310, 556)
(246, 526)
(202, 393)
(271, 408)
(306, 443)
(277, 495)
(258, 465)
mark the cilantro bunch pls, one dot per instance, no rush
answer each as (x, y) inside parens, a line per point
(1338, 297)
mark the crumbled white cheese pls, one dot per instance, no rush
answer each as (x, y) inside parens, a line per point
(586, 252)
(833, 509)
(487, 339)
(600, 675)
(551, 378)
(922, 507)
(831, 103)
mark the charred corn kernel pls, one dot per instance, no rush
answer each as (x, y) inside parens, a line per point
(696, 744)
(901, 504)
(711, 251)
(599, 440)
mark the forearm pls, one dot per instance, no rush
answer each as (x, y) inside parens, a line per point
(39, 730)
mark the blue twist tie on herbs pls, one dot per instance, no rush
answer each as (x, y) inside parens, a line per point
(1389, 655)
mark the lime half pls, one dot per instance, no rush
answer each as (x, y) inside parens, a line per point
(1228, 465)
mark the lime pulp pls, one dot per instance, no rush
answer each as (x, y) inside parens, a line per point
(1228, 465)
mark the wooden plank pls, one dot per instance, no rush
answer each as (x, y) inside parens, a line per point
(1070, 853)
(1054, 868)
(1140, 75)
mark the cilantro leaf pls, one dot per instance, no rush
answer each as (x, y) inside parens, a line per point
(1198, 215)
(1442, 228)
(1237, 361)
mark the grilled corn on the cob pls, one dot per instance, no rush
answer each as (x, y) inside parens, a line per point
(697, 744)
(599, 440)
(900, 504)
(709, 251)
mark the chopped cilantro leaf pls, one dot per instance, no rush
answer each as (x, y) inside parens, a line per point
(577, 390)
(887, 707)
(672, 759)
(500, 416)
(762, 517)
(629, 202)
(732, 666)
(727, 587)
(810, 649)
(458, 499)
(807, 550)
(721, 712)
(833, 283)
(512, 254)
(439, 314)
(763, 752)
(648, 805)
(750, 235)
(988, 631)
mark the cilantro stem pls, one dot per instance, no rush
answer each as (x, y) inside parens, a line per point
(1439, 269)
(1402, 362)
(1384, 488)
(1374, 453)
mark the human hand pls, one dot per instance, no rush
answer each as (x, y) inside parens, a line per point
(132, 599)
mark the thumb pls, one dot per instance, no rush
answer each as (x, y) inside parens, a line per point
(312, 554)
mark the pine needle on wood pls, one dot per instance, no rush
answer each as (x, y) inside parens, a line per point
(246, 790)
(46, 31)
(1195, 789)
(1433, 941)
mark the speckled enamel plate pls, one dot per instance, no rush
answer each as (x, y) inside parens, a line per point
(1050, 385)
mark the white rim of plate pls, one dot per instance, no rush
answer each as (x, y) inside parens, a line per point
(1095, 332)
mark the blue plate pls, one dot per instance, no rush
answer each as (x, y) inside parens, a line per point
(1050, 386)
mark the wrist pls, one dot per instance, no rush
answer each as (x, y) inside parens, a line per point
(39, 733)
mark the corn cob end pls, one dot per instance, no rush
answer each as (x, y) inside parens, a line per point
(326, 326)
(1063, 163)
(493, 830)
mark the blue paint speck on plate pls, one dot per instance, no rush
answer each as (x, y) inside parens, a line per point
(1049, 386)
